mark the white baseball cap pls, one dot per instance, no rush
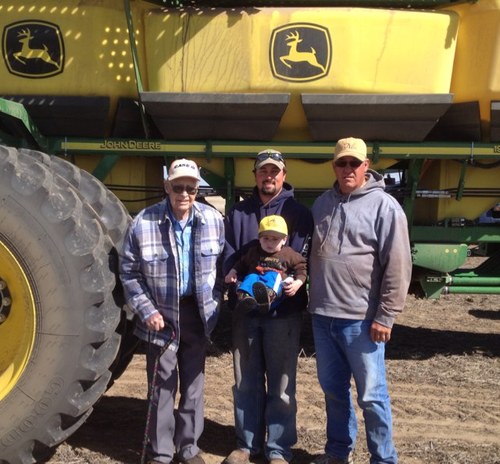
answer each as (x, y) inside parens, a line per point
(183, 168)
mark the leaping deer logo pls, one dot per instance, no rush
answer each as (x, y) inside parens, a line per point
(28, 53)
(33, 49)
(295, 56)
(300, 52)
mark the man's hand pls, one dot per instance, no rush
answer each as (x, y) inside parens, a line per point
(231, 277)
(380, 333)
(155, 322)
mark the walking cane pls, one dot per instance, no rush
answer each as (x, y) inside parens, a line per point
(164, 348)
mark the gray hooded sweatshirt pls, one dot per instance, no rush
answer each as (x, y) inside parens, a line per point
(360, 263)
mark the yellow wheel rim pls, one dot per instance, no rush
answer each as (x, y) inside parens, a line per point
(17, 331)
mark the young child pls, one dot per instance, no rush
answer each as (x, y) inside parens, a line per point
(271, 271)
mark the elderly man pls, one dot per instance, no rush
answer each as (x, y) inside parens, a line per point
(360, 270)
(169, 267)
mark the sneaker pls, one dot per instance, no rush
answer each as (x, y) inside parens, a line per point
(261, 296)
(238, 456)
(327, 459)
(246, 304)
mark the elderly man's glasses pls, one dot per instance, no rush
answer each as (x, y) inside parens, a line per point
(190, 190)
(352, 164)
(269, 154)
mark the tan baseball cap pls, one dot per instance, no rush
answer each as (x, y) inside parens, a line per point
(269, 156)
(350, 146)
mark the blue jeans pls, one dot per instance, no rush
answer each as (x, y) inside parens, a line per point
(344, 349)
(266, 349)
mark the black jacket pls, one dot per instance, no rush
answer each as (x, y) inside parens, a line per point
(242, 229)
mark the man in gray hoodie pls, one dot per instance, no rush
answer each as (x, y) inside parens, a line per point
(360, 271)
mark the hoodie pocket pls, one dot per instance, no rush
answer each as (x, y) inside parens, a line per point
(345, 285)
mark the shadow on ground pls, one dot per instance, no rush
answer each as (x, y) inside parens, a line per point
(423, 343)
(116, 429)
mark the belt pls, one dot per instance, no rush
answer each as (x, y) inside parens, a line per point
(190, 299)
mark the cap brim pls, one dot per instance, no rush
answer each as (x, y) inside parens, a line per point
(277, 163)
(354, 154)
(177, 176)
(281, 234)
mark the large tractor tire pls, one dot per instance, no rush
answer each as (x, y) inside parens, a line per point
(111, 212)
(114, 219)
(58, 318)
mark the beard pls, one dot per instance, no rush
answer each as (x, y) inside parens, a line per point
(268, 189)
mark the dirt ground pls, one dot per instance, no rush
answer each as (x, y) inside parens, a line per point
(443, 367)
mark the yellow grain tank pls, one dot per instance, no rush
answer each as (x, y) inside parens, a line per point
(265, 51)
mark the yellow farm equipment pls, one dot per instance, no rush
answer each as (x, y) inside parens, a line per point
(96, 96)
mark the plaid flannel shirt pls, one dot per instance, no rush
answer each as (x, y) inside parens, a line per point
(149, 268)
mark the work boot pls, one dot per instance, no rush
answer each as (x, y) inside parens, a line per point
(238, 456)
(272, 295)
(327, 459)
(194, 460)
(261, 296)
(277, 461)
(246, 304)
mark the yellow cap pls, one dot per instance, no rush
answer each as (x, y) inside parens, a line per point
(273, 223)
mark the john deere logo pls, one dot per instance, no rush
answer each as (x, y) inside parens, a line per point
(300, 52)
(33, 49)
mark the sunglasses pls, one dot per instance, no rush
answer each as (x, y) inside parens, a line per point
(178, 188)
(269, 155)
(352, 164)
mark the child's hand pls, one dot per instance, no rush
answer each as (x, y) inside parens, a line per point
(292, 287)
(231, 277)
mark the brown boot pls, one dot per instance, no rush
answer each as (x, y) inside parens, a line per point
(261, 296)
(246, 304)
(277, 461)
(238, 456)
